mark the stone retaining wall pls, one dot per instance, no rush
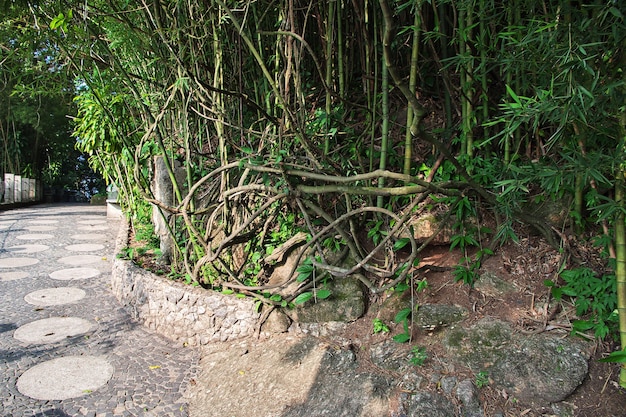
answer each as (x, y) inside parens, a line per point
(189, 315)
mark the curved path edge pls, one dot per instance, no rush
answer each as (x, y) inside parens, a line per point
(187, 315)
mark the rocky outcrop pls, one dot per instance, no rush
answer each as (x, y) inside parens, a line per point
(533, 368)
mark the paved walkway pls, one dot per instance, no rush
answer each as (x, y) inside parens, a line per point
(67, 348)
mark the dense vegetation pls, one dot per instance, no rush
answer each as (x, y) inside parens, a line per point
(342, 120)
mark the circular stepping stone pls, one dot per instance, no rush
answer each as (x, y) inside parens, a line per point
(91, 217)
(11, 276)
(74, 273)
(5, 224)
(65, 377)
(55, 296)
(39, 228)
(17, 262)
(92, 222)
(88, 236)
(52, 330)
(44, 221)
(35, 236)
(85, 247)
(80, 259)
(94, 227)
(27, 248)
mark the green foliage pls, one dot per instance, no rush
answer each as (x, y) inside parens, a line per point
(318, 294)
(380, 326)
(594, 297)
(418, 356)
(403, 316)
(618, 356)
(482, 379)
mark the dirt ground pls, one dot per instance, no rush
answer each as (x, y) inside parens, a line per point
(529, 309)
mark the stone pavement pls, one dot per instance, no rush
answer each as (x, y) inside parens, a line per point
(67, 348)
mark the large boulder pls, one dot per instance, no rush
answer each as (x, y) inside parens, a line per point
(533, 368)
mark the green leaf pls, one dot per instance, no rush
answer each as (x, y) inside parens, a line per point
(402, 338)
(276, 298)
(323, 294)
(400, 243)
(617, 357)
(402, 315)
(303, 298)
(616, 12)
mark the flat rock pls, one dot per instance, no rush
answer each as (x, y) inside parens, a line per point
(55, 296)
(492, 285)
(436, 316)
(12, 275)
(34, 236)
(28, 248)
(80, 259)
(65, 377)
(85, 247)
(17, 262)
(74, 273)
(535, 369)
(52, 330)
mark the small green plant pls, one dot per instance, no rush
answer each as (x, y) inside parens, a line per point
(403, 317)
(482, 379)
(126, 253)
(595, 299)
(380, 326)
(418, 356)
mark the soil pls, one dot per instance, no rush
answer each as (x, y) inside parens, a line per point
(530, 308)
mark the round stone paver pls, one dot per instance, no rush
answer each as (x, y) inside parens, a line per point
(80, 259)
(65, 377)
(55, 296)
(13, 275)
(5, 224)
(28, 248)
(44, 221)
(85, 247)
(52, 330)
(17, 262)
(88, 236)
(34, 236)
(38, 228)
(94, 227)
(92, 222)
(74, 273)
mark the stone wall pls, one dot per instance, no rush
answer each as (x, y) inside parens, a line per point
(188, 315)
